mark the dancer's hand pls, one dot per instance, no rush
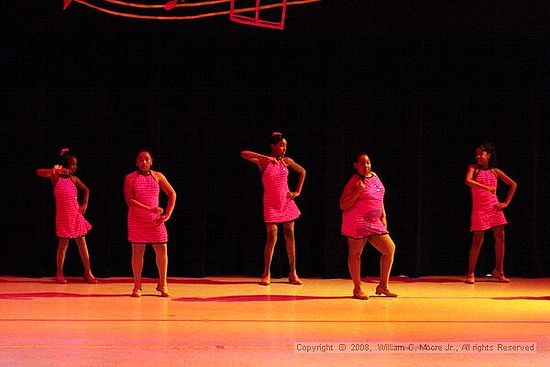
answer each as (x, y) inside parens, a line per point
(60, 170)
(291, 195)
(491, 189)
(501, 205)
(163, 218)
(82, 208)
(157, 210)
(360, 186)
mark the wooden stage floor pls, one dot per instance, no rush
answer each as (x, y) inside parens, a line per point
(233, 321)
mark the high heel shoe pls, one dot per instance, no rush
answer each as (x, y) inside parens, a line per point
(136, 292)
(60, 279)
(163, 290)
(90, 279)
(385, 291)
(500, 276)
(470, 279)
(295, 281)
(358, 294)
(265, 281)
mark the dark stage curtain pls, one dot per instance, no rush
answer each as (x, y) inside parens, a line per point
(415, 92)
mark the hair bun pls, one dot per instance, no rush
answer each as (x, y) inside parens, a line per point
(276, 137)
(63, 151)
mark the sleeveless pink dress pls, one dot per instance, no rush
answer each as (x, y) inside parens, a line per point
(278, 207)
(362, 220)
(142, 224)
(69, 221)
(484, 213)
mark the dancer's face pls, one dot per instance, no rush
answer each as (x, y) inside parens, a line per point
(363, 165)
(71, 164)
(279, 149)
(144, 161)
(482, 157)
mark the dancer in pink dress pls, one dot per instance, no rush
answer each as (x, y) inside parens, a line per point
(278, 200)
(364, 219)
(146, 219)
(482, 177)
(69, 214)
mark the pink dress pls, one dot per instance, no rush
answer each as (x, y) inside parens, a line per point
(484, 213)
(69, 221)
(142, 224)
(362, 220)
(278, 207)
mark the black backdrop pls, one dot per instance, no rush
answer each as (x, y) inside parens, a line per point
(415, 87)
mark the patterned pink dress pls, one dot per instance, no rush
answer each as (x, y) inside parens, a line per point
(278, 207)
(142, 224)
(69, 221)
(484, 213)
(362, 220)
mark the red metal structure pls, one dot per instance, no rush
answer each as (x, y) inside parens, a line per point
(260, 13)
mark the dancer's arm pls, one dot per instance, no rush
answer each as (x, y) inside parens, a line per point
(469, 180)
(301, 178)
(85, 193)
(512, 186)
(170, 193)
(351, 192)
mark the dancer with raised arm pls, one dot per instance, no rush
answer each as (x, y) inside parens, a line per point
(278, 201)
